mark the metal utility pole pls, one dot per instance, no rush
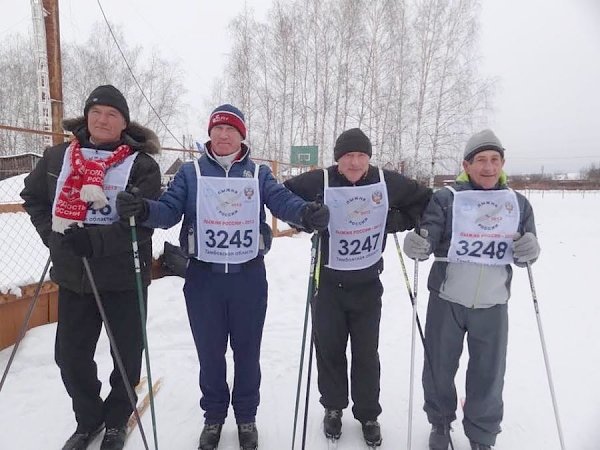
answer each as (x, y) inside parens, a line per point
(43, 97)
(49, 69)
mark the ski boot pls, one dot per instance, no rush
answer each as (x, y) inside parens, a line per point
(372, 433)
(80, 439)
(439, 438)
(209, 438)
(478, 446)
(332, 424)
(248, 436)
(114, 438)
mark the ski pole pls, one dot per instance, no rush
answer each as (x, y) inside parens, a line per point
(308, 379)
(545, 352)
(115, 350)
(420, 328)
(412, 352)
(311, 280)
(312, 345)
(25, 322)
(138, 282)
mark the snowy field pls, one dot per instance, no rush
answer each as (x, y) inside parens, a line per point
(35, 411)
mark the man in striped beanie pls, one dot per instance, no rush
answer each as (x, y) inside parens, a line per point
(221, 197)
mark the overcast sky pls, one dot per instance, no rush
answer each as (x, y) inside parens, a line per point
(545, 55)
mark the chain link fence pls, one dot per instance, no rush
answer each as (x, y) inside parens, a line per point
(22, 253)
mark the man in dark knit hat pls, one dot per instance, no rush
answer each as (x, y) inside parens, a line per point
(476, 229)
(364, 202)
(222, 197)
(70, 196)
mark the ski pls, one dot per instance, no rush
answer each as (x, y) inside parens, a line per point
(143, 405)
(332, 444)
(141, 385)
(373, 445)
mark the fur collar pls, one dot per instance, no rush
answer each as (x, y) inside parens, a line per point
(135, 135)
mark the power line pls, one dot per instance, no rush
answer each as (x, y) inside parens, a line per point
(134, 77)
(546, 158)
(14, 25)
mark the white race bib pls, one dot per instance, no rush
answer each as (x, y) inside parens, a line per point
(356, 224)
(228, 215)
(115, 181)
(483, 226)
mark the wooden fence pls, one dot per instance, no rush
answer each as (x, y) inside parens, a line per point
(13, 310)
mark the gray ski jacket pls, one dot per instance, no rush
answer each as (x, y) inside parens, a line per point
(468, 284)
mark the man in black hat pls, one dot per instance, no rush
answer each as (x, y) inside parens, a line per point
(364, 202)
(70, 196)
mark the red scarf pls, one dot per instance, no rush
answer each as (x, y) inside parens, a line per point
(83, 184)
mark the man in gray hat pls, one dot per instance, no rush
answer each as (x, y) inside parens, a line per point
(475, 229)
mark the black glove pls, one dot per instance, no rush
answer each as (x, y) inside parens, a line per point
(131, 205)
(315, 217)
(78, 241)
(398, 221)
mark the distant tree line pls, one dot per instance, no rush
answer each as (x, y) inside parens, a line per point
(589, 178)
(404, 71)
(592, 173)
(86, 64)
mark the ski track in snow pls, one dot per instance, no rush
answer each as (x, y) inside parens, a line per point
(35, 410)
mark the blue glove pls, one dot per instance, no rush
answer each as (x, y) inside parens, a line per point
(78, 241)
(526, 248)
(416, 246)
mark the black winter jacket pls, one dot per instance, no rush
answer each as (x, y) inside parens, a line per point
(407, 200)
(112, 260)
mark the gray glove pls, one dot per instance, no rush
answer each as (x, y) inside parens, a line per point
(416, 246)
(525, 248)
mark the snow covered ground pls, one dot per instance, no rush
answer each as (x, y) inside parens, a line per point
(35, 411)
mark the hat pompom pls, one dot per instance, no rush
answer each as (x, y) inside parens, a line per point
(93, 182)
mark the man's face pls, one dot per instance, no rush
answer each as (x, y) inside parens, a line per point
(353, 165)
(105, 124)
(225, 140)
(485, 169)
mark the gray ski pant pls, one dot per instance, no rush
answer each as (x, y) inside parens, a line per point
(487, 336)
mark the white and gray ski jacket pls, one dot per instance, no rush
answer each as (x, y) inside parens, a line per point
(468, 284)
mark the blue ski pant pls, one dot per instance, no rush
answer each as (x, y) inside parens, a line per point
(487, 338)
(226, 307)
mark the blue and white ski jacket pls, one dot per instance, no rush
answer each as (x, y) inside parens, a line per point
(180, 199)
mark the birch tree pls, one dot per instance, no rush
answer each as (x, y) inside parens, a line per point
(404, 71)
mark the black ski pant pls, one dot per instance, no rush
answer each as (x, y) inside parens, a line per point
(77, 333)
(487, 337)
(339, 311)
